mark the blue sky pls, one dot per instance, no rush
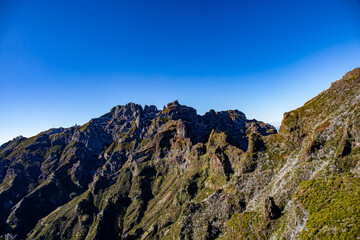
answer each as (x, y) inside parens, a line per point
(65, 62)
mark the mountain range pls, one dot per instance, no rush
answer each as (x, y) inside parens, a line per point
(144, 173)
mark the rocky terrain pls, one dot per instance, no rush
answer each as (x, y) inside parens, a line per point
(144, 173)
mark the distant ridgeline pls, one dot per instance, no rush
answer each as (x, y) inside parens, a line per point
(142, 173)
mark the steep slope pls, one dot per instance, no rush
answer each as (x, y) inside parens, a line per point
(315, 181)
(141, 173)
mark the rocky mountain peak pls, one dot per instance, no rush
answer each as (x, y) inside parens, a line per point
(126, 110)
(173, 105)
(150, 109)
(351, 74)
(175, 111)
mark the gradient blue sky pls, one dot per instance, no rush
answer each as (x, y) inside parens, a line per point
(65, 62)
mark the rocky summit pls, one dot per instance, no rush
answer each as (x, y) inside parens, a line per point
(143, 173)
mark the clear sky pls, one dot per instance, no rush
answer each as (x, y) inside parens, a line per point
(65, 62)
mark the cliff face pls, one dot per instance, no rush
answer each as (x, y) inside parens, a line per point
(141, 173)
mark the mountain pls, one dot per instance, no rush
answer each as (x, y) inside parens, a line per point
(144, 173)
